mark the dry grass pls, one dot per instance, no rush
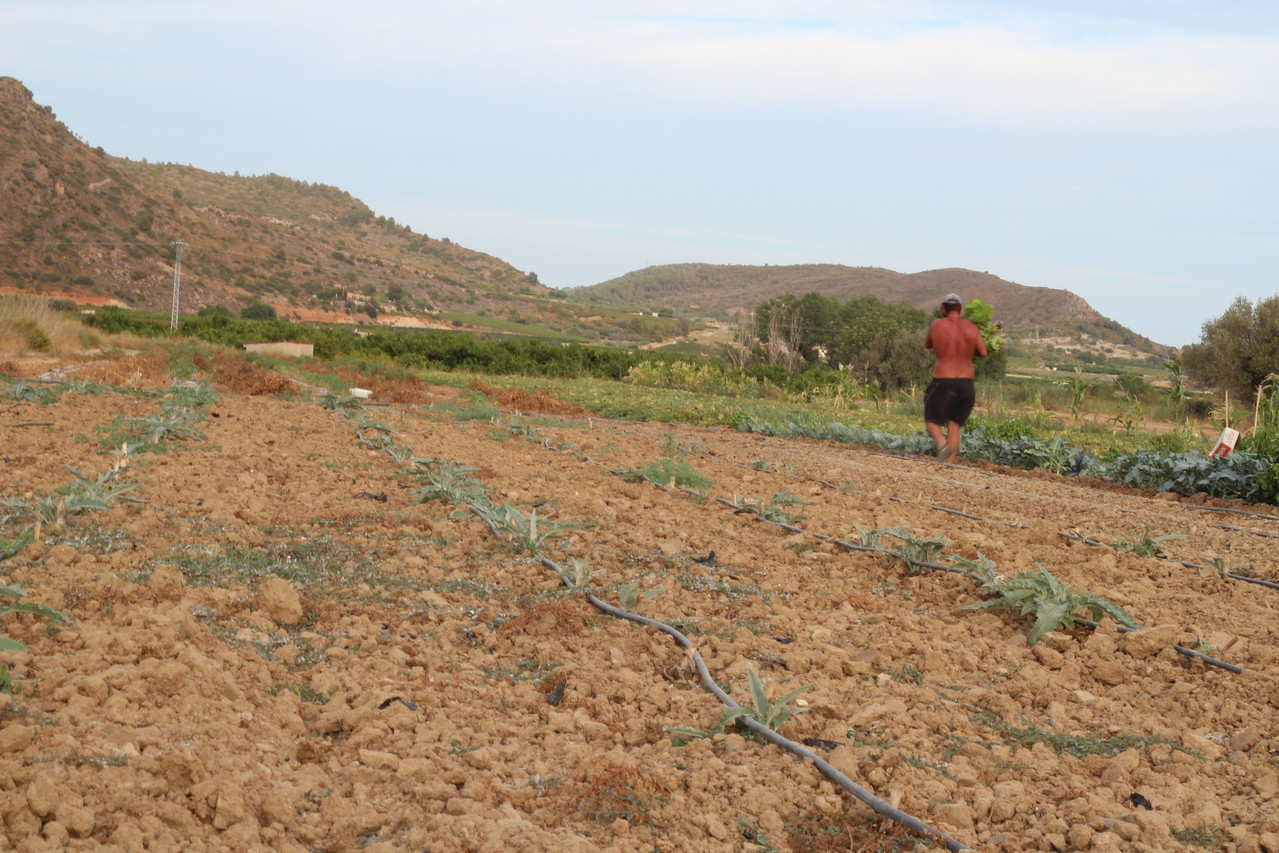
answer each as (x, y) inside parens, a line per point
(543, 401)
(607, 789)
(237, 375)
(30, 325)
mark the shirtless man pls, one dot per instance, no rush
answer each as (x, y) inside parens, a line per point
(950, 396)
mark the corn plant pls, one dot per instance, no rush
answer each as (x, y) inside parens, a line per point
(191, 396)
(629, 595)
(103, 488)
(80, 495)
(1053, 603)
(983, 566)
(581, 573)
(518, 427)
(12, 594)
(1222, 568)
(166, 425)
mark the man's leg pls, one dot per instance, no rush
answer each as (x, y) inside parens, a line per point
(942, 442)
(934, 432)
(952, 440)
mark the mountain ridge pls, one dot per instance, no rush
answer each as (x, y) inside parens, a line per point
(103, 229)
(81, 221)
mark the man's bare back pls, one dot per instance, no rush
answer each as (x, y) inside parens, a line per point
(955, 341)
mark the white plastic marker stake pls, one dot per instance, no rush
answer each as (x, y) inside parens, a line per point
(1226, 443)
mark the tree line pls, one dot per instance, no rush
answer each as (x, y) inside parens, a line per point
(878, 342)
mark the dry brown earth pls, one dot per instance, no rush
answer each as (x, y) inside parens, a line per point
(266, 656)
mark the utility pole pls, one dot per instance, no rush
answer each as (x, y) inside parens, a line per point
(177, 284)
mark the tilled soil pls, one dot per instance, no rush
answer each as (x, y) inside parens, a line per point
(282, 649)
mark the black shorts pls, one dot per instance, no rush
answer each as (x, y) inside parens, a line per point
(949, 400)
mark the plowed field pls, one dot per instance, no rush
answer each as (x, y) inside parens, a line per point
(283, 649)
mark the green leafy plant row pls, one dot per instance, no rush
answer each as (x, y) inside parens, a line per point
(1240, 476)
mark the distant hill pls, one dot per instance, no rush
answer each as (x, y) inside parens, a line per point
(719, 290)
(78, 221)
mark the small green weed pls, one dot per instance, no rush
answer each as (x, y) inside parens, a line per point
(1208, 836)
(670, 471)
(777, 509)
(526, 669)
(1080, 746)
(8, 684)
(1147, 545)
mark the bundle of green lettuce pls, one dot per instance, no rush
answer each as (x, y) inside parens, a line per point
(983, 316)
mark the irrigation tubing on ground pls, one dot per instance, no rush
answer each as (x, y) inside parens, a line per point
(830, 771)
(1182, 650)
(1185, 652)
(1094, 542)
(1188, 565)
(879, 806)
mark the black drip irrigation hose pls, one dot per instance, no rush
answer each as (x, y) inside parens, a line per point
(1236, 512)
(1182, 650)
(830, 771)
(1231, 575)
(879, 806)
(1188, 565)
(1246, 530)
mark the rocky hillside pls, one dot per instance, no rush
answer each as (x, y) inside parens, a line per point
(78, 221)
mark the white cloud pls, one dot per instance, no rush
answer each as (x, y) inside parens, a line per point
(965, 72)
(1121, 65)
(1048, 71)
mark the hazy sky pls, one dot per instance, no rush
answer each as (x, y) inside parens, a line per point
(1122, 150)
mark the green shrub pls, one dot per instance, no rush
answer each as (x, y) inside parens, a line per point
(36, 337)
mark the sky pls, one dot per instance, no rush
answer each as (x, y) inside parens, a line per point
(1124, 150)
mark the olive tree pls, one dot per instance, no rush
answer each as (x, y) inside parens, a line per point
(1238, 350)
